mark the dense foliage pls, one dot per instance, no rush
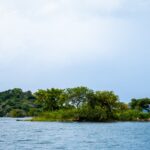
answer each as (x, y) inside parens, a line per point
(72, 104)
(140, 104)
(16, 103)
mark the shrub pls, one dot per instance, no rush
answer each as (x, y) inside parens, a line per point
(16, 113)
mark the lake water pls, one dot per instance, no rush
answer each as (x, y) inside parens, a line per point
(20, 135)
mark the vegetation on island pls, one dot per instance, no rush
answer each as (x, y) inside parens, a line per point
(72, 104)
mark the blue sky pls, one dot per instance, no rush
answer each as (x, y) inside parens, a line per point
(102, 44)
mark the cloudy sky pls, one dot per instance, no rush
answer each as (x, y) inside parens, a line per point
(102, 44)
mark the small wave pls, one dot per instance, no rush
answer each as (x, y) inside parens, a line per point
(44, 142)
(25, 140)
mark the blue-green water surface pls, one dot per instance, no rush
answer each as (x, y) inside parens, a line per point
(21, 135)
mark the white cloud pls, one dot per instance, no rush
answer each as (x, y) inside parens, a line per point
(104, 6)
(63, 32)
(51, 36)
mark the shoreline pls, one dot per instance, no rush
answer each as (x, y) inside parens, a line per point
(32, 119)
(76, 121)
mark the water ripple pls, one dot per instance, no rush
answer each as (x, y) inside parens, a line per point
(19, 135)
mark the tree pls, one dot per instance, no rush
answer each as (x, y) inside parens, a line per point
(140, 104)
(49, 98)
(108, 100)
(122, 107)
(78, 95)
(15, 99)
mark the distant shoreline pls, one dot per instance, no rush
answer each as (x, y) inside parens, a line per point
(38, 119)
(35, 119)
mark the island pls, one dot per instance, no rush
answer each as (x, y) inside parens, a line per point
(79, 104)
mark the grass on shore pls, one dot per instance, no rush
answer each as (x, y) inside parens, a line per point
(72, 115)
(60, 115)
